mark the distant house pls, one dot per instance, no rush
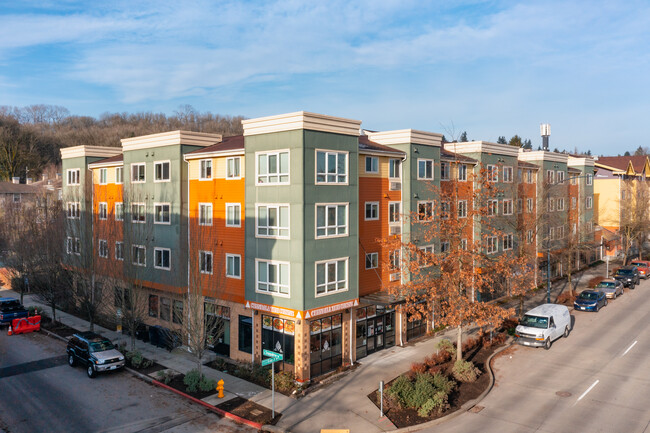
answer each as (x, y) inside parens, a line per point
(16, 195)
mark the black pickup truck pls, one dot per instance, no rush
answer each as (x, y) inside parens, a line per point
(10, 309)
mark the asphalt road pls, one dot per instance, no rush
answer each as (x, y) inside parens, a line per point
(596, 380)
(39, 392)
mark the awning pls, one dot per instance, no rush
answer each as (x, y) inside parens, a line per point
(382, 298)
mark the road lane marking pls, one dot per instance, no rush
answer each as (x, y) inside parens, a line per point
(628, 349)
(587, 391)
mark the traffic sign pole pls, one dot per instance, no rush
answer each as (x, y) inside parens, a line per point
(273, 358)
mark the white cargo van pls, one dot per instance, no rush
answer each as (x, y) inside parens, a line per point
(542, 325)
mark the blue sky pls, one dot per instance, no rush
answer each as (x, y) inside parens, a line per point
(490, 68)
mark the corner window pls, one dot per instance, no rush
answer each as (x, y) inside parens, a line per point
(331, 276)
(372, 260)
(331, 167)
(372, 164)
(233, 215)
(273, 168)
(273, 221)
(560, 204)
(331, 220)
(73, 176)
(372, 210)
(205, 169)
(103, 175)
(138, 213)
(233, 168)
(161, 213)
(425, 169)
(137, 173)
(161, 171)
(161, 258)
(205, 262)
(139, 255)
(272, 277)
(233, 266)
(205, 214)
(103, 210)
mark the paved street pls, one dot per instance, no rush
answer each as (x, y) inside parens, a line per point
(40, 392)
(601, 370)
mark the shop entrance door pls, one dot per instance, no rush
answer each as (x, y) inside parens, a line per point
(376, 332)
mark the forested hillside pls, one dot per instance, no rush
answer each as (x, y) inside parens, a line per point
(31, 137)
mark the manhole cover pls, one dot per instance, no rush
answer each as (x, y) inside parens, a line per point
(563, 394)
(256, 412)
(477, 409)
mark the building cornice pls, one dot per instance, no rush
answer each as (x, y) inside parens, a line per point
(215, 154)
(89, 151)
(381, 153)
(542, 155)
(100, 164)
(171, 138)
(482, 147)
(301, 120)
(582, 161)
(406, 136)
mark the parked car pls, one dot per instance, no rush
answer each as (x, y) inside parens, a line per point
(643, 266)
(612, 288)
(590, 300)
(542, 325)
(95, 352)
(10, 309)
(628, 275)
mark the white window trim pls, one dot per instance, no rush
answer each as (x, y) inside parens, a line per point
(458, 207)
(133, 215)
(433, 209)
(590, 179)
(277, 152)
(347, 167)
(433, 169)
(448, 176)
(347, 276)
(156, 249)
(77, 176)
(116, 257)
(496, 208)
(274, 262)
(205, 252)
(68, 245)
(347, 220)
(589, 202)
(464, 179)
(508, 210)
(267, 205)
(138, 164)
(99, 248)
(155, 163)
(99, 210)
(511, 241)
(557, 176)
(207, 224)
(399, 221)
(238, 256)
(117, 178)
(492, 173)
(376, 204)
(170, 213)
(424, 249)
(399, 161)
(232, 158)
(375, 254)
(530, 205)
(373, 158)
(495, 240)
(105, 172)
(228, 205)
(201, 161)
(76, 214)
(144, 265)
(509, 179)
(115, 210)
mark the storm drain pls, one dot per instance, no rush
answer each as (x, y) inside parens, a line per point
(256, 412)
(563, 394)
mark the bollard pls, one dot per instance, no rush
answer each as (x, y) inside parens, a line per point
(220, 388)
(381, 399)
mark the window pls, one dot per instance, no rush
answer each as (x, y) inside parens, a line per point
(372, 164)
(445, 209)
(492, 173)
(331, 276)
(161, 213)
(103, 211)
(574, 228)
(73, 210)
(462, 208)
(153, 306)
(463, 244)
(507, 174)
(272, 168)
(529, 205)
(233, 266)
(424, 259)
(529, 176)
(138, 213)
(205, 169)
(161, 171)
(559, 176)
(590, 179)
(73, 176)
(331, 167)
(103, 174)
(549, 176)
(205, 214)
(103, 248)
(425, 210)
(551, 233)
(331, 220)
(508, 242)
(492, 244)
(177, 312)
(574, 179)
(372, 210)
(245, 334)
(205, 262)
(507, 207)
(272, 277)
(530, 236)
(233, 168)
(444, 171)
(69, 245)
(394, 212)
(119, 174)
(520, 205)
(394, 260)
(165, 308)
(119, 250)
(139, 255)
(425, 169)
(161, 258)
(559, 232)
(119, 211)
(520, 177)
(137, 173)
(444, 247)
(462, 172)
(493, 207)
(589, 202)
(16, 197)
(372, 260)
(395, 169)
(76, 246)
(590, 226)
(273, 221)
(551, 204)
(574, 202)
(233, 215)
(560, 203)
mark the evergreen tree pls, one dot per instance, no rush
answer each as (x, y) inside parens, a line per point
(627, 153)
(515, 141)
(527, 144)
(502, 140)
(463, 137)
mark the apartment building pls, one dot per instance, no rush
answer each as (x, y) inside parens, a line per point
(282, 229)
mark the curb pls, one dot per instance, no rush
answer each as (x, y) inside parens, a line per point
(209, 406)
(464, 408)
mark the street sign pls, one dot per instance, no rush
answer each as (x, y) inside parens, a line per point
(275, 356)
(268, 361)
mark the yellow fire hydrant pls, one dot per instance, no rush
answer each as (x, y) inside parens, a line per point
(220, 388)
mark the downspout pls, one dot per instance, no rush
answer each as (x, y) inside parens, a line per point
(188, 238)
(351, 338)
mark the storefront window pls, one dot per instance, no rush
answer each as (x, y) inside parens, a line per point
(326, 344)
(278, 336)
(415, 327)
(375, 329)
(217, 320)
(246, 334)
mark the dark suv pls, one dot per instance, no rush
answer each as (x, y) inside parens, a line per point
(628, 275)
(95, 352)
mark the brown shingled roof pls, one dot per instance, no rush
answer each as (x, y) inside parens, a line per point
(525, 164)
(235, 142)
(447, 155)
(621, 162)
(366, 144)
(17, 188)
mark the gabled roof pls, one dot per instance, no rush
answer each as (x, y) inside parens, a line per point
(17, 188)
(228, 144)
(451, 156)
(365, 144)
(630, 165)
(113, 160)
(528, 165)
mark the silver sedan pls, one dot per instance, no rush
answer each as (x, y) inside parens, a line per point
(612, 288)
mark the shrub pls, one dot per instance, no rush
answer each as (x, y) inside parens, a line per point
(425, 393)
(447, 346)
(195, 382)
(34, 310)
(418, 367)
(565, 298)
(285, 381)
(470, 344)
(166, 376)
(497, 338)
(465, 371)
(401, 390)
(439, 402)
(219, 364)
(136, 359)
(443, 383)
